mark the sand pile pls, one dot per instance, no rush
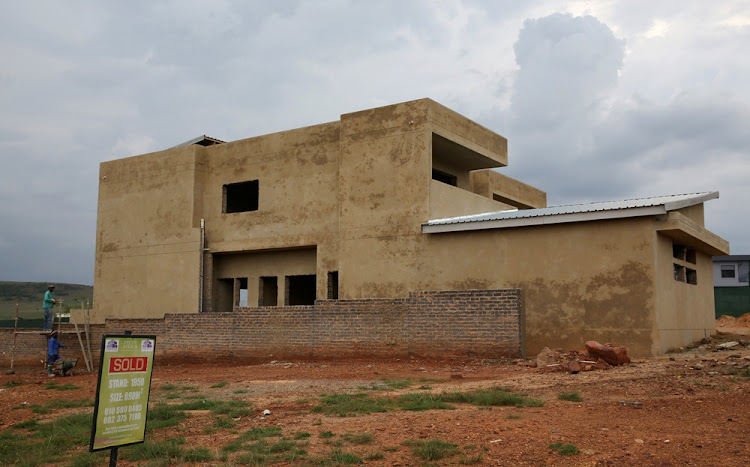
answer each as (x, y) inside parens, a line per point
(739, 325)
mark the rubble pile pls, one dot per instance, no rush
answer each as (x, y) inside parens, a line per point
(596, 357)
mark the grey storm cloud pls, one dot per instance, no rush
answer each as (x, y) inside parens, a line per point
(589, 110)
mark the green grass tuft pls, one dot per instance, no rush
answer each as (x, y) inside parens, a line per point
(153, 451)
(421, 401)
(13, 384)
(433, 449)
(357, 438)
(54, 385)
(162, 416)
(344, 405)
(496, 396)
(570, 396)
(564, 449)
(220, 384)
(197, 455)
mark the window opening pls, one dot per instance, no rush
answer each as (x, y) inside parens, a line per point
(678, 251)
(333, 285)
(691, 277)
(300, 290)
(679, 273)
(223, 292)
(444, 177)
(240, 197)
(242, 292)
(269, 291)
(727, 271)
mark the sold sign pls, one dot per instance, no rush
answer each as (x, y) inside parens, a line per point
(128, 364)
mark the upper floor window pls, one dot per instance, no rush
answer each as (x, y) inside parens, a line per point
(240, 197)
(444, 177)
(727, 270)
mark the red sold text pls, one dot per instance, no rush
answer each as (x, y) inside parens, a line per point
(127, 364)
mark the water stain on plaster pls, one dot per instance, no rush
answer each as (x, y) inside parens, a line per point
(616, 302)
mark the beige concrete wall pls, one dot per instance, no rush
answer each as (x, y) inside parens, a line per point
(264, 264)
(450, 201)
(581, 281)
(298, 205)
(147, 245)
(489, 183)
(685, 312)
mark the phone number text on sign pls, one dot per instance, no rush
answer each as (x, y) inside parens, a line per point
(128, 364)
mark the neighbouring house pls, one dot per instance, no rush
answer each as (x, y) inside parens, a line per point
(384, 204)
(732, 285)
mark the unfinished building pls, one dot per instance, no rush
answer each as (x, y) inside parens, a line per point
(385, 203)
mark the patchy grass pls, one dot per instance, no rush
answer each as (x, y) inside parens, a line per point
(389, 384)
(13, 384)
(220, 384)
(496, 396)
(357, 438)
(54, 385)
(326, 434)
(564, 449)
(61, 404)
(375, 456)
(344, 405)
(162, 416)
(150, 450)
(338, 457)
(233, 409)
(570, 396)
(421, 401)
(433, 449)
(512, 416)
(301, 435)
(198, 455)
(47, 443)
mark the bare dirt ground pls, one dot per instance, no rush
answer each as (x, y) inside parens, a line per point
(694, 407)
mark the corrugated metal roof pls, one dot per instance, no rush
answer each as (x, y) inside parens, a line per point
(578, 212)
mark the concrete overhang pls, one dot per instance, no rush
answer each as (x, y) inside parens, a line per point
(683, 230)
(462, 156)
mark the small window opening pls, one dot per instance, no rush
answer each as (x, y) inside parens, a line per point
(690, 255)
(679, 273)
(300, 290)
(728, 271)
(240, 197)
(241, 298)
(444, 177)
(691, 276)
(333, 285)
(678, 251)
(268, 291)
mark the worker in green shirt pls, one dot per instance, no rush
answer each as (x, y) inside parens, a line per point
(49, 302)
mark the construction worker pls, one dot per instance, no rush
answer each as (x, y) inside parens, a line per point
(53, 346)
(49, 302)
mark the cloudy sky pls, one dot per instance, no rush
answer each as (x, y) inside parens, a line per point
(599, 100)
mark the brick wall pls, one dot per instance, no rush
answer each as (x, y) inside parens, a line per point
(467, 323)
(482, 323)
(31, 346)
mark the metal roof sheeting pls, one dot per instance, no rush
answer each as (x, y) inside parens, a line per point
(570, 213)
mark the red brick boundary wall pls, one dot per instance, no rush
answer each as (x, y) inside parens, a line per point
(31, 346)
(465, 323)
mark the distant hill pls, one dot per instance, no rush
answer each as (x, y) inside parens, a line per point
(31, 294)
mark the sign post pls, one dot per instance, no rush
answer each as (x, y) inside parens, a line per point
(122, 392)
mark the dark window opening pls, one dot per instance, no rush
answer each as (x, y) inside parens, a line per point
(333, 285)
(268, 291)
(690, 255)
(223, 291)
(691, 276)
(678, 251)
(727, 271)
(444, 177)
(241, 297)
(300, 290)
(510, 202)
(240, 197)
(679, 273)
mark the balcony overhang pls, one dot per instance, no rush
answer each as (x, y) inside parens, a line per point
(683, 230)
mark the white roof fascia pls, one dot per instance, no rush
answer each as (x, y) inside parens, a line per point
(547, 220)
(692, 201)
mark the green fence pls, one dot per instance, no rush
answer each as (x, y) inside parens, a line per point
(732, 301)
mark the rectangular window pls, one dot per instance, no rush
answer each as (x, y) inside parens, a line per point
(444, 177)
(691, 277)
(679, 273)
(241, 291)
(333, 285)
(727, 271)
(240, 197)
(300, 290)
(268, 291)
